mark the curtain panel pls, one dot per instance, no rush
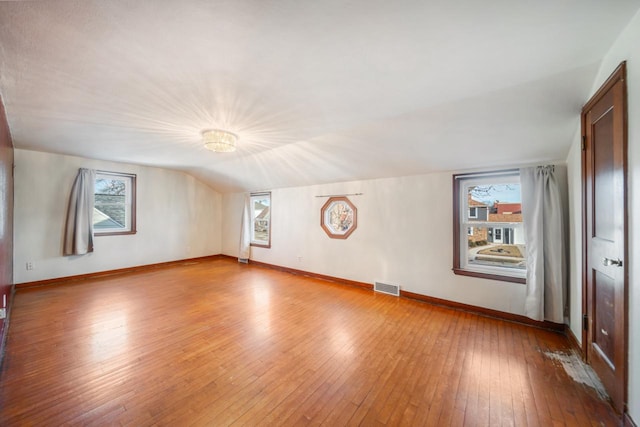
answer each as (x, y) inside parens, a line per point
(78, 237)
(544, 212)
(245, 232)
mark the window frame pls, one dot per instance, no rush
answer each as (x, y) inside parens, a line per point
(475, 210)
(325, 217)
(460, 206)
(254, 242)
(131, 195)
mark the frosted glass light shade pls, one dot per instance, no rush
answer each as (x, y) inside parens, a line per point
(219, 141)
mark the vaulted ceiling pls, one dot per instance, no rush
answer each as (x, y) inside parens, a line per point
(318, 91)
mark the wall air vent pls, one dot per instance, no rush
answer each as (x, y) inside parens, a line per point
(386, 288)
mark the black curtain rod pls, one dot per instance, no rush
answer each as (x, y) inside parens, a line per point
(340, 195)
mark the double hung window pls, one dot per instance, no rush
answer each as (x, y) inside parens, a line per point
(489, 238)
(260, 204)
(115, 204)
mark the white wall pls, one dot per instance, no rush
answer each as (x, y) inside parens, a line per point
(178, 217)
(404, 237)
(626, 48)
(575, 237)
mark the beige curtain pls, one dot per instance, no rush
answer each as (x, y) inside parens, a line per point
(245, 231)
(78, 237)
(543, 213)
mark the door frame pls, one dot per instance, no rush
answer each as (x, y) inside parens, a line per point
(619, 74)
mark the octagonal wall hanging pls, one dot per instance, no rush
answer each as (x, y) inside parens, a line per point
(339, 217)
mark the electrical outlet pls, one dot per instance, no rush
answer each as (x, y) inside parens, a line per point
(29, 265)
(299, 258)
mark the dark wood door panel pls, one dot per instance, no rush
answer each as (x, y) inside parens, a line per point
(604, 320)
(603, 197)
(604, 231)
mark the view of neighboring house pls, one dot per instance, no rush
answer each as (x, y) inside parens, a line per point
(506, 212)
(506, 208)
(261, 223)
(102, 221)
(109, 212)
(262, 219)
(499, 213)
(478, 211)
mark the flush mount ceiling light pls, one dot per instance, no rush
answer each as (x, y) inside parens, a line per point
(219, 141)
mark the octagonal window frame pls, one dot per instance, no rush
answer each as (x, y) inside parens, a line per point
(325, 221)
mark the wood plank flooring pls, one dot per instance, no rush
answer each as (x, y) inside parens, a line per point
(215, 343)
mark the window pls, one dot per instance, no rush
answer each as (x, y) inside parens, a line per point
(261, 219)
(339, 217)
(114, 210)
(489, 236)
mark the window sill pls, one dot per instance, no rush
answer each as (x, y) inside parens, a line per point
(117, 233)
(511, 279)
(260, 246)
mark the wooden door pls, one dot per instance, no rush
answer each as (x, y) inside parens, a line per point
(6, 220)
(604, 341)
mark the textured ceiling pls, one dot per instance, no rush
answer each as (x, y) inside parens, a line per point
(318, 92)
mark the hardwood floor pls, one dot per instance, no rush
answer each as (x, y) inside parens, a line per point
(217, 343)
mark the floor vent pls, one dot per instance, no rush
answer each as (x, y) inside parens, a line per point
(386, 288)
